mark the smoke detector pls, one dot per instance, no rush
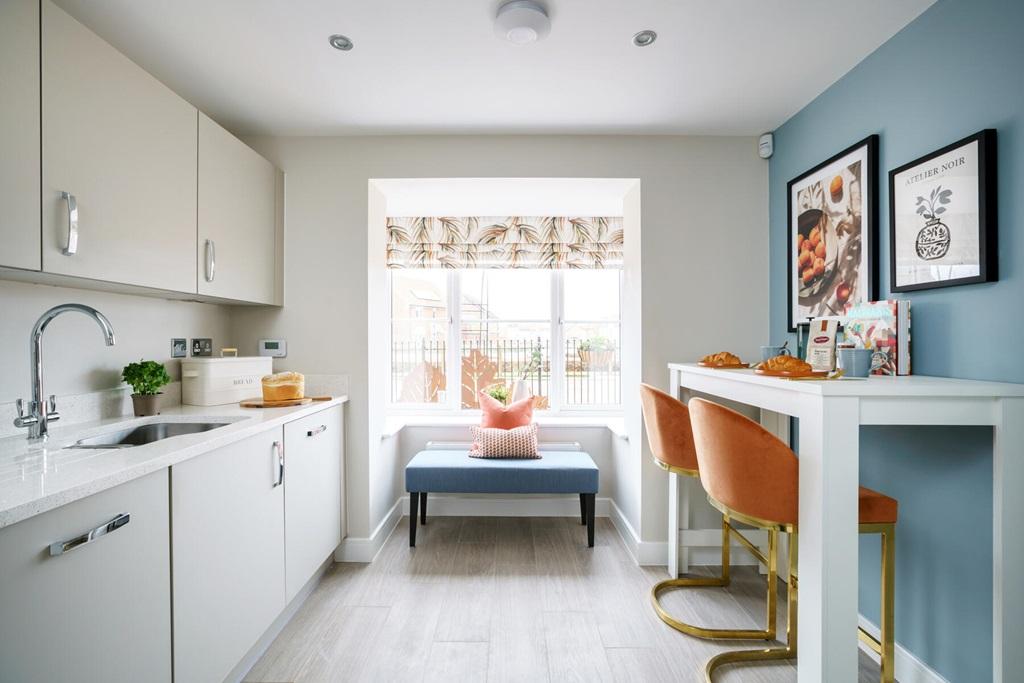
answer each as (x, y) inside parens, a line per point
(522, 22)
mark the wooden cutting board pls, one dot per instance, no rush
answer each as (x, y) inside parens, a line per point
(260, 403)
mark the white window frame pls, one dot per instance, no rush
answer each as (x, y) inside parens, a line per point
(452, 405)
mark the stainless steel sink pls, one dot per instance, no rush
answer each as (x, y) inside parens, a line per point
(144, 434)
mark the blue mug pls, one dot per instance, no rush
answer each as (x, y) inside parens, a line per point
(860, 362)
(773, 351)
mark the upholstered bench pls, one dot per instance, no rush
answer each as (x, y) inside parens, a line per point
(453, 471)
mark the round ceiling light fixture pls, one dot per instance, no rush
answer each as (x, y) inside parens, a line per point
(522, 22)
(340, 42)
(644, 38)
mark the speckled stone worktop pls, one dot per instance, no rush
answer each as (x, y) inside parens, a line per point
(35, 478)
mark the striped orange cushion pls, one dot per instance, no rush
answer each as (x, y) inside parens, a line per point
(520, 442)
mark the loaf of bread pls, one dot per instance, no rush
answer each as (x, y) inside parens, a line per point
(283, 386)
(786, 363)
(721, 358)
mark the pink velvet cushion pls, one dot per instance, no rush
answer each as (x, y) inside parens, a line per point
(499, 416)
(520, 442)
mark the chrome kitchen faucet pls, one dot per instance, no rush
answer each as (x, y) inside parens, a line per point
(41, 412)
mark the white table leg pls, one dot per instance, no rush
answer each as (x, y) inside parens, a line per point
(673, 525)
(1007, 541)
(829, 454)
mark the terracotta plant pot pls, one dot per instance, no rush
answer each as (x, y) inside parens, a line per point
(146, 404)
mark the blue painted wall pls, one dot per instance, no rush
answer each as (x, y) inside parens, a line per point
(954, 70)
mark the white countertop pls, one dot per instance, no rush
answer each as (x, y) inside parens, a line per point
(907, 385)
(35, 478)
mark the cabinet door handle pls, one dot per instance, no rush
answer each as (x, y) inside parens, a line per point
(278, 451)
(116, 523)
(211, 260)
(318, 430)
(71, 247)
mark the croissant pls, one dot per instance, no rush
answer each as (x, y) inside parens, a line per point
(786, 363)
(721, 358)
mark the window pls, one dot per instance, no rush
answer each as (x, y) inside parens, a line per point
(456, 332)
(419, 335)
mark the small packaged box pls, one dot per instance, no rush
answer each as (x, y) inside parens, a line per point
(821, 344)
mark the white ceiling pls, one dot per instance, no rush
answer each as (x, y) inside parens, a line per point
(719, 67)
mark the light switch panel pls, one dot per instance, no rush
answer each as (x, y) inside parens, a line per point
(202, 347)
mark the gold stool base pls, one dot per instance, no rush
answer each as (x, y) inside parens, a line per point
(768, 559)
(703, 631)
(746, 656)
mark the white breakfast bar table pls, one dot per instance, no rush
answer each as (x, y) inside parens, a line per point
(830, 414)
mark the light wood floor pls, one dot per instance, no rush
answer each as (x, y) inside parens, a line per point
(511, 599)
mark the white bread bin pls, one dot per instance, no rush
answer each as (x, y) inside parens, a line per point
(218, 381)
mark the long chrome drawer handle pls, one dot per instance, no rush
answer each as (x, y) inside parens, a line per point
(319, 430)
(278, 452)
(211, 260)
(71, 248)
(116, 523)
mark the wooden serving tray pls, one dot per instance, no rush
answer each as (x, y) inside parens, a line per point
(260, 403)
(723, 366)
(790, 373)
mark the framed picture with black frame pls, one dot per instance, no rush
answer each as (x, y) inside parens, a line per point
(832, 213)
(942, 217)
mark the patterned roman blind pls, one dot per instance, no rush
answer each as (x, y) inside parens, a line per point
(550, 242)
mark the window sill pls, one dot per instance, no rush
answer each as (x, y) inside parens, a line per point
(396, 423)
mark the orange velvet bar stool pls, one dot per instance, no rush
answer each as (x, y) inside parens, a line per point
(752, 477)
(671, 439)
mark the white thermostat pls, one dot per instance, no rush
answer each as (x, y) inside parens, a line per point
(276, 348)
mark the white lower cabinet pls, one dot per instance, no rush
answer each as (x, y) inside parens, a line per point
(99, 610)
(312, 494)
(227, 514)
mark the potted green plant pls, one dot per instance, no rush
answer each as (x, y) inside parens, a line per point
(499, 392)
(597, 352)
(146, 377)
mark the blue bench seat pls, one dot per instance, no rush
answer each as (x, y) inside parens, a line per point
(453, 471)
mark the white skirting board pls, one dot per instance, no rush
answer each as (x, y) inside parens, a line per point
(448, 505)
(353, 549)
(704, 546)
(909, 669)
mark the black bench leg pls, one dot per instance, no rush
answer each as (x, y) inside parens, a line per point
(414, 507)
(591, 500)
(583, 508)
(423, 508)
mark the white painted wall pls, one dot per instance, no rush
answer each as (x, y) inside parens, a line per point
(703, 206)
(76, 360)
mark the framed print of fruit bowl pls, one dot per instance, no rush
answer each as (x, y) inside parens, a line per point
(832, 233)
(942, 217)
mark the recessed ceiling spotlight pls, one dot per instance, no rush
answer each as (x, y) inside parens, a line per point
(340, 42)
(645, 38)
(522, 22)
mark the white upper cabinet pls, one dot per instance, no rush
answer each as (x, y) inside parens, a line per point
(124, 149)
(19, 134)
(238, 241)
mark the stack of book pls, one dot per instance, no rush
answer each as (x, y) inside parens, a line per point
(883, 326)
